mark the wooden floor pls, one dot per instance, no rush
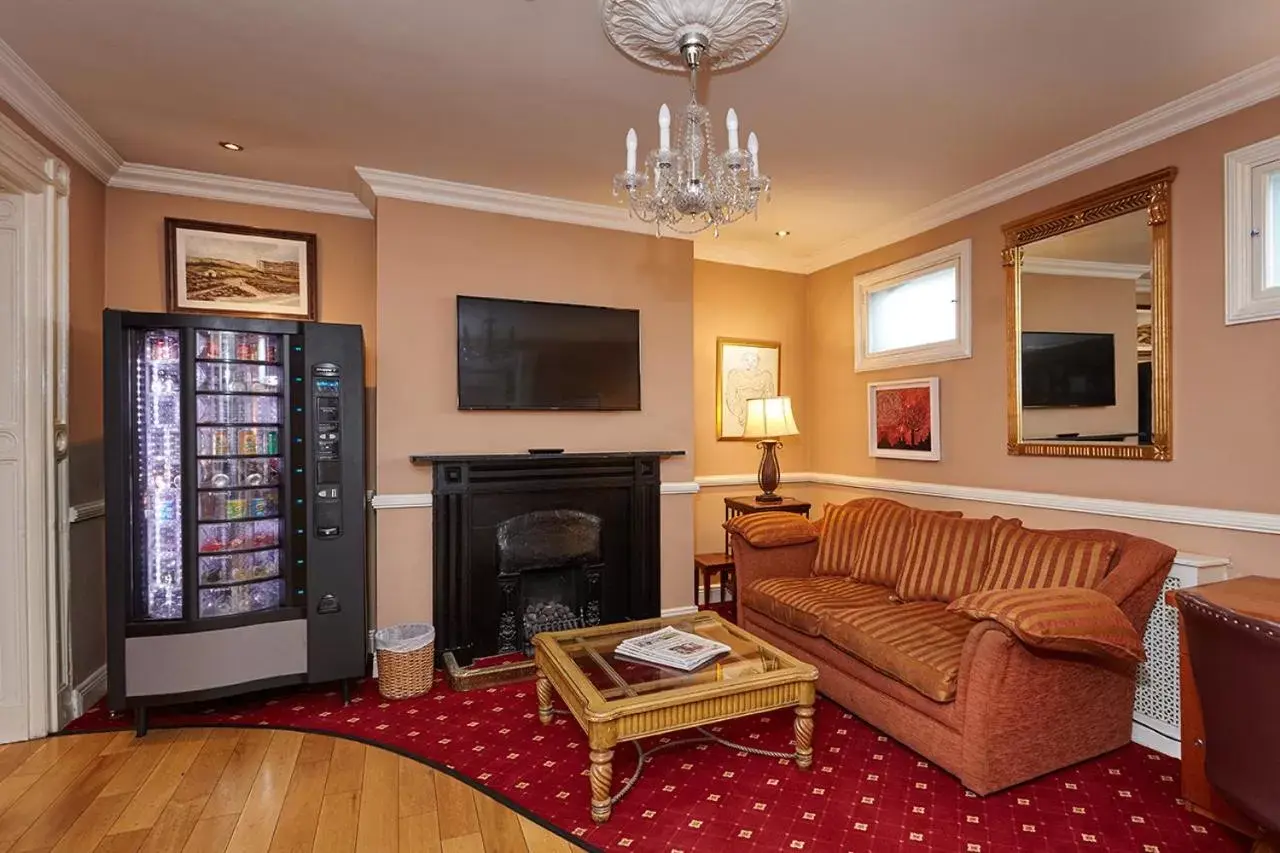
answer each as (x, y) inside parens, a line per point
(216, 790)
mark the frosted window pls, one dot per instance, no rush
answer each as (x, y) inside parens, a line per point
(1271, 231)
(917, 312)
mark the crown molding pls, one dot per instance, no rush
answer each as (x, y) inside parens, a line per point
(163, 179)
(48, 113)
(1086, 269)
(379, 183)
(1232, 94)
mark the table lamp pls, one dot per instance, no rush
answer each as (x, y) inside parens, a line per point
(769, 418)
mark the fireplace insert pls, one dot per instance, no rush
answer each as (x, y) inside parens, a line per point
(549, 566)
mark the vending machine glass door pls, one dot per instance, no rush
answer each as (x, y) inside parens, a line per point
(158, 432)
(239, 418)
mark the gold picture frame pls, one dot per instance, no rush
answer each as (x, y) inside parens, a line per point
(745, 368)
(1152, 193)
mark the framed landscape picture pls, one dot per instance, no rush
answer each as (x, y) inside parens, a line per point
(904, 419)
(744, 369)
(214, 268)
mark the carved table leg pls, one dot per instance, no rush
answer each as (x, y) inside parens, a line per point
(544, 699)
(804, 736)
(601, 784)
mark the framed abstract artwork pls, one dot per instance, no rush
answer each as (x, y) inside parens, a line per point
(213, 268)
(903, 419)
(744, 369)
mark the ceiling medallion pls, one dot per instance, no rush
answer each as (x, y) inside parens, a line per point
(688, 187)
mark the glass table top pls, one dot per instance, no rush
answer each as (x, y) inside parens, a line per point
(616, 677)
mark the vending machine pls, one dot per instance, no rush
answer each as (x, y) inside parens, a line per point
(235, 501)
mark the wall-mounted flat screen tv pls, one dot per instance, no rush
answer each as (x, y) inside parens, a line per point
(1061, 369)
(515, 355)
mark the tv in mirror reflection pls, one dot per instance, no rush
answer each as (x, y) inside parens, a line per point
(520, 355)
(1068, 369)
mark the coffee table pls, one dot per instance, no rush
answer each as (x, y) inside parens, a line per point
(616, 699)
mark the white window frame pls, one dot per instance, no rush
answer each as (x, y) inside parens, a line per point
(959, 255)
(1247, 171)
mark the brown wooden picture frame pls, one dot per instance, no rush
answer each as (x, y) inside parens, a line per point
(177, 297)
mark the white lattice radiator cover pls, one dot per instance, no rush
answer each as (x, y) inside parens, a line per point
(1156, 709)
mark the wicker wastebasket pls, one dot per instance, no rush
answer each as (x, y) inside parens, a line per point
(406, 659)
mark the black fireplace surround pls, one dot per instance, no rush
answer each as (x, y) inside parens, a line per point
(530, 542)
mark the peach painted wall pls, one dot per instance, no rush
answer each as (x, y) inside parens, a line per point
(86, 211)
(1224, 407)
(426, 256)
(740, 302)
(1063, 303)
(347, 285)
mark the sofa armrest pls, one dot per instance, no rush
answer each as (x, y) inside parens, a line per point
(751, 563)
(1135, 581)
(1026, 712)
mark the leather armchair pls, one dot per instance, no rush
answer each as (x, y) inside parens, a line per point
(1236, 663)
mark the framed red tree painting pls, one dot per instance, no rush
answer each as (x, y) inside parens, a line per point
(903, 419)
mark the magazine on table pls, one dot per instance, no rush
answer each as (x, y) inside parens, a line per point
(671, 647)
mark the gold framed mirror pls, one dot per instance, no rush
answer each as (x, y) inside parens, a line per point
(1088, 325)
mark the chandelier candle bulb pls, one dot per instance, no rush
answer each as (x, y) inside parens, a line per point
(664, 128)
(753, 145)
(731, 124)
(631, 151)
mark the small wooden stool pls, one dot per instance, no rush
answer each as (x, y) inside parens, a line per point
(706, 565)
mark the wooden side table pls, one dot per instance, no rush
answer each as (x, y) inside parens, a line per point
(706, 565)
(734, 507)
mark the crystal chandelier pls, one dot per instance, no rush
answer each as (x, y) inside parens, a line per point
(688, 187)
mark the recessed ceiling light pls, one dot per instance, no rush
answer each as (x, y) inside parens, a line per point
(783, 233)
(231, 146)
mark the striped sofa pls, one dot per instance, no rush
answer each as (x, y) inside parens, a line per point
(864, 594)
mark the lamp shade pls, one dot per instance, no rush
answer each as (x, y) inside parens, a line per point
(769, 417)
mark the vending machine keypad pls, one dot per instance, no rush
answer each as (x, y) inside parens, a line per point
(326, 386)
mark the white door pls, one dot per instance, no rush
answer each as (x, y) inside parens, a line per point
(18, 702)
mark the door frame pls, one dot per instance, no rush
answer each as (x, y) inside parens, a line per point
(28, 169)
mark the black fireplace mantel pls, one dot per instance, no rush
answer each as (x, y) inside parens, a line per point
(473, 493)
(607, 455)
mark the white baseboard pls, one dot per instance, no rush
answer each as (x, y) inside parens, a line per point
(74, 701)
(1153, 739)
(673, 612)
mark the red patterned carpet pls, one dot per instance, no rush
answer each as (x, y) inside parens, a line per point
(864, 793)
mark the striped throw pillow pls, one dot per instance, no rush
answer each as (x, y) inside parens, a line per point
(840, 533)
(1065, 619)
(1035, 559)
(946, 557)
(881, 550)
(772, 529)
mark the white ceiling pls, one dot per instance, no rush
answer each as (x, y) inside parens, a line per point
(867, 110)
